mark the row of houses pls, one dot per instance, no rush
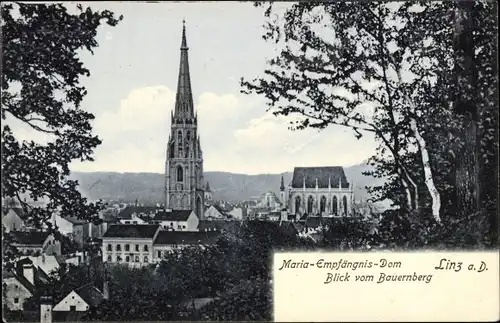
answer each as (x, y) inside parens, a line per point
(143, 244)
(31, 274)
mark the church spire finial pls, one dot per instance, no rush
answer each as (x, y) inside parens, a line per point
(282, 187)
(184, 101)
(184, 42)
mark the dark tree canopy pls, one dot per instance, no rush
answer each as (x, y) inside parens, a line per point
(41, 73)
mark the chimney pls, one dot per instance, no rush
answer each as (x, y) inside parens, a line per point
(46, 309)
(29, 273)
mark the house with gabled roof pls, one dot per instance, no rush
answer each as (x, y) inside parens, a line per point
(319, 191)
(35, 242)
(13, 218)
(177, 220)
(80, 299)
(216, 212)
(22, 283)
(130, 244)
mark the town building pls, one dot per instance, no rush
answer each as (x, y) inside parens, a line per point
(320, 191)
(218, 225)
(22, 283)
(269, 201)
(177, 220)
(96, 231)
(35, 242)
(215, 212)
(136, 213)
(70, 227)
(80, 300)
(13, 218)
(17, 290)
(238, 213)
(130, 244)
(184, 183)
(137, 219)
(170, 240)
(46, 263)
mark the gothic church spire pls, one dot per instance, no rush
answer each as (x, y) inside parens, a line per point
(184, 99)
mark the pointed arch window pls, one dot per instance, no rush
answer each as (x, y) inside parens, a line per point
(310, 202)
(171, 150)
(179, 142)
(344, 204)
(188, 142)
(322, 204)
(334, 206)
(297, 204)
(180, 174)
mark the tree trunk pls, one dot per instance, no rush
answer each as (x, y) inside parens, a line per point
(422, 145)
(429, 181)
(408, 181)
(409, 199)
(467, 179)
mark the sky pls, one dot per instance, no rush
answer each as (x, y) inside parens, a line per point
(131, 92)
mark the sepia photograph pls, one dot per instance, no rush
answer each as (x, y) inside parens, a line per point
(156, 155)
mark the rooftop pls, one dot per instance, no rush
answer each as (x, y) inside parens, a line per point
(127, 212)
(90, 294)
(186, 237)
(18, 210)
(30, 237)
(217, 225)
(74, 220)
(173, 215)
(324, 175)
(141, 231)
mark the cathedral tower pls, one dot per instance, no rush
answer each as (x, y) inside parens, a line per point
(184, 187)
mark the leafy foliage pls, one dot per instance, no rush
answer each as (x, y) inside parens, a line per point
(40, 79)
(378, 67)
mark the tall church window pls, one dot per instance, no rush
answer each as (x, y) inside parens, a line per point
(322, 204)
(310, 202)
(179, 143)
(188, 137)
(198, 207)
(344, 204)
(297, 204)
(180, 174)
(172, 150)
(335, 206)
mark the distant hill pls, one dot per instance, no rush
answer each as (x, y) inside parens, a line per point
(148, 187)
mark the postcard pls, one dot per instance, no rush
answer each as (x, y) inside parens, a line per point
(250, 161)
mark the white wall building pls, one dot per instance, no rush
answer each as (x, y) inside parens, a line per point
(130, 244)
(80, 300)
